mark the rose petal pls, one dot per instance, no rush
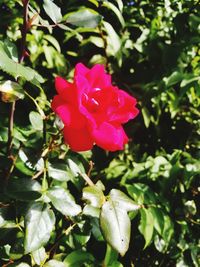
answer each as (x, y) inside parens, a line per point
(78, 140)
(109, 137)
(80, 69)
(65, 89)
(68, 114)
(125, 110)
(97, 77)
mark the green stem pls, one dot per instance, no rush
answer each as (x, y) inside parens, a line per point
(110, 256)
(87, 179)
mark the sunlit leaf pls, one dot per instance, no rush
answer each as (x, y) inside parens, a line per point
(39, 256)
(58, 171)
(146, 225)
(17, 70)
(113, 40)
(39, 223)
(112, 7)
(84, 18)
(123, 201)
(36, 120)
(54, 263)
(94, 196)
(52, 10)
(116, 226)
(63, 201)
(11, 50)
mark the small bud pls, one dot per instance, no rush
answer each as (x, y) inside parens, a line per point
(10, 91)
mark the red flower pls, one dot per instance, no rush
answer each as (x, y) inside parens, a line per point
(93, 110)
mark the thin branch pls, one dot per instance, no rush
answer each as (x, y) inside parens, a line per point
(24, 31)
(35, 176)
(87, 179)
(91, 165)
(12, 111)
(55, 245)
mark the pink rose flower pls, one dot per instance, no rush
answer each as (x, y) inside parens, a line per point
(93, 110)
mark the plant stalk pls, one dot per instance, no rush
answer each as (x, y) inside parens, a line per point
(13, 105)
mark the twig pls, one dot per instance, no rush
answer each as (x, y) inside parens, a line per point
(87, 179)
(35, 176)
(10, 262)
(55, 245)
(37, 106)
(91, 165)
(24, 30)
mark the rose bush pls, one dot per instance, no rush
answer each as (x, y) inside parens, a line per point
(93, 110)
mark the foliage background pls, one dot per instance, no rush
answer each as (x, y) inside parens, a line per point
(151, 48)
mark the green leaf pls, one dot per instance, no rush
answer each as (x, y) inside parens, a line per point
(89, 210)
(54, 263)
(18, 135)
(188, 79)
(113, 40)
(78, 258)
(115, 10)
(159, 244)
(63, 201)
(36, 120)
(58, 171)
(22, 264)
(168, 229)
(23, 189)
(146, 116)
(95, 2)
(24, 165)
(4, 252)
(111, 256)
(158, 219)
(98, 41)
(174, 78)
(146, 225)
(94, 195)
(123, 201)
(84, 18)
(39, 256)
(141, 193)
(114, 220)
(11, 91)
(75, 169)
(53, 11)
(39, 223)
(53, 41)
(136, 191)
(120, 4)
(17, 249)
(11, 50)
(17, 70)
(116, 226)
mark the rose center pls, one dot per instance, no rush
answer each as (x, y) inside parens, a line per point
(90, 103)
